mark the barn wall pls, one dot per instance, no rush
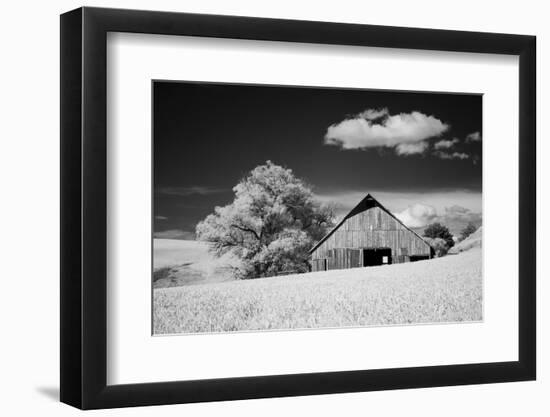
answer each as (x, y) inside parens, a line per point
(373, 228)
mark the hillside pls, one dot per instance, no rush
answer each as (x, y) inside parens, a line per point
(447, 289)
(185, 262)
(472, 241)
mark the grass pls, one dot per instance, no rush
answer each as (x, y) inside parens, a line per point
(187, 262)
(447, 289)
(161, 273)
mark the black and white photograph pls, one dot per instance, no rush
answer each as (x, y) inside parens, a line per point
(290, 207)
(271, 205)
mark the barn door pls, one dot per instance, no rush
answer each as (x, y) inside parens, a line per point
(378, 256)
(352, 258)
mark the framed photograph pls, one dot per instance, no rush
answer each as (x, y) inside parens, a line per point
(258, 208)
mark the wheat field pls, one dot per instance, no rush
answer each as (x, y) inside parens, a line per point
(447, 289)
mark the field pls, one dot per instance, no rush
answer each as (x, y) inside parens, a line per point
(447, 289)
(187, 262)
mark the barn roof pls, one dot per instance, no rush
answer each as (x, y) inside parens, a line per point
(366, 203)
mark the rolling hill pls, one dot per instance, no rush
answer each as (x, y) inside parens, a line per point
(187, 262)
(447, 289)
(472, 241)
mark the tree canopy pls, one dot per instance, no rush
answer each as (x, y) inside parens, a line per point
(271, 224)
(437, 230)
(439, 246)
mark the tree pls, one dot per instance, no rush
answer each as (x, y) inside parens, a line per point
(271, 224)
(437, 230)
(439, 246)
(467, 231)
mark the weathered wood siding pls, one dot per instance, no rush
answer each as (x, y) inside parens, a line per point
(373, 228)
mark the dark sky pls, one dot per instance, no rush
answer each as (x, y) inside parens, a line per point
(208, 136)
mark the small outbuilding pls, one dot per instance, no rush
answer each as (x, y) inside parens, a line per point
(368, 235)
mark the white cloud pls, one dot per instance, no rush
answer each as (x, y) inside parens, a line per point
(453, 208)
(473, 137)
(193, 190)
(456, 212)
(454, 217)
(372, 114)
(445, 144)
(443, 148)
(362, 132)
(161, 217)
(457, 217)
(175, 234)
(453, 155)
(411, 148)
(398, 201)
(417, 215)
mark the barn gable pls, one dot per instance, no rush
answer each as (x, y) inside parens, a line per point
(368, 230)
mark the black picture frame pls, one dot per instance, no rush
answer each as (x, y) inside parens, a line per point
(83, 207)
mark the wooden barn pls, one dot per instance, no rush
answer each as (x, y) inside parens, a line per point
(368, 235)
